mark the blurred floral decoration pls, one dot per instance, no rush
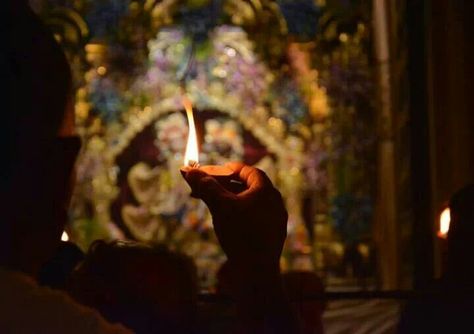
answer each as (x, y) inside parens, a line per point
(294, 75)
(346, 143)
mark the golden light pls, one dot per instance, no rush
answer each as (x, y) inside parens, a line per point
(444, 221)
(191, 155)
(101, 70)
(64, 236)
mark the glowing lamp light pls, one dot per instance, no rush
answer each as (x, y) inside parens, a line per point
(444, 221)
(222, 174)
(191, 155)
(64, 236)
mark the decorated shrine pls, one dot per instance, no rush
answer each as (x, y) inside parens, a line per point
(282, 85)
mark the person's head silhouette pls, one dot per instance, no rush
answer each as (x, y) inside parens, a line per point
(39, 146)
(149, 289)
(461, 236)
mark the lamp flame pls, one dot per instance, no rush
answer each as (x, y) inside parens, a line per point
(444, 222)
(64, 236)
(191, 155)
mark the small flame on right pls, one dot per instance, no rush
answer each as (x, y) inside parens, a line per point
(444, 222)
(64, 236)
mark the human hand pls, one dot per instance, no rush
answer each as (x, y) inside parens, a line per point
(251, 225)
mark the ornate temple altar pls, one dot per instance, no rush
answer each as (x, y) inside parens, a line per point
(289, 98)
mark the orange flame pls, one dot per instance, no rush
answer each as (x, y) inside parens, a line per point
(444, 222)
(192, 154)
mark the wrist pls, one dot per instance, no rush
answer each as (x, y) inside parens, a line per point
(261, 301)
(255, 280)
(253, 269)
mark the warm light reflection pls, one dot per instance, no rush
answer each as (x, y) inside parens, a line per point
(101, 70)
(444, 221)
(64, 236)
(191, 154)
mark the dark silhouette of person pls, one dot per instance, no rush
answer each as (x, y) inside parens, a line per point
(38, 135)
(461, 239)
(55, 273)
(39, 148)
(148, 289)
(448, 307)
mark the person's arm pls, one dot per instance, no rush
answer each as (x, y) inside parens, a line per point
(251, 229)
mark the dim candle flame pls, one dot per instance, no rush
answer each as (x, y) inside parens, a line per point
(191, 155)
(444, 222)
(64, 236)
